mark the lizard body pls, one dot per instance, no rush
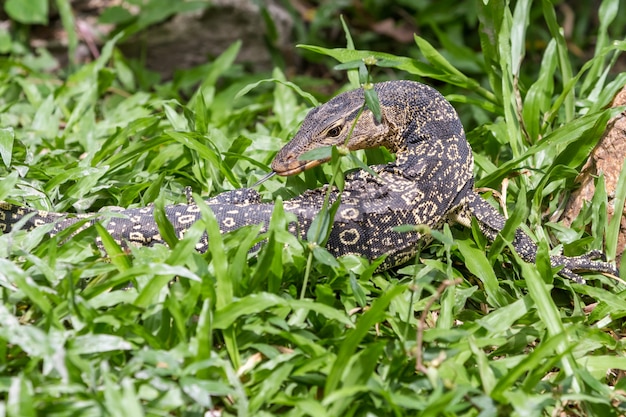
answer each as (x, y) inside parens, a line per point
(430, 183)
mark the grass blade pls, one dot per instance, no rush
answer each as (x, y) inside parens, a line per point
(350, 344)
(613, 229)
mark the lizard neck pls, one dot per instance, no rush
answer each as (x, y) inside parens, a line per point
(428, 133)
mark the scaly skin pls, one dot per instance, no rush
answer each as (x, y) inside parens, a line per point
(430, 183)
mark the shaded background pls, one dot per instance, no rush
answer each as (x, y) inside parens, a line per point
(168, 36)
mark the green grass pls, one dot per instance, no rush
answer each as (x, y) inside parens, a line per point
(168, 331)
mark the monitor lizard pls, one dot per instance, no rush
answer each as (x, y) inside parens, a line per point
(430, 183)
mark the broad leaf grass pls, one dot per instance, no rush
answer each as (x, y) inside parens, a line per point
(169, 331)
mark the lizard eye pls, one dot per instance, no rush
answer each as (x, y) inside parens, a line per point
(334, 132)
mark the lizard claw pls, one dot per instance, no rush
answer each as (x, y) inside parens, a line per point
(594, 254)
(573, 276)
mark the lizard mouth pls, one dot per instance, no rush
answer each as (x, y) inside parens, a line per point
(293, 167)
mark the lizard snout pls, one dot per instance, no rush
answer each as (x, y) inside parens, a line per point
(288, 164)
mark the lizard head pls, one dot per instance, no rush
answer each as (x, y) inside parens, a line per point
(344, 120)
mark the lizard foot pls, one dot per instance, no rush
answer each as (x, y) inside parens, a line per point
(593, 261)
